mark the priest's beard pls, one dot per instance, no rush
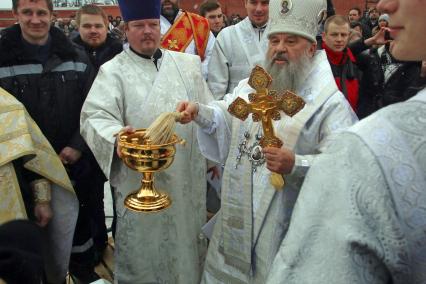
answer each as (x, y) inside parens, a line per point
(169, 13)
(289, 76)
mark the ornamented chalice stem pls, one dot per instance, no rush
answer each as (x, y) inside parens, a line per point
(142, 156)
(147, 198)
(148, 188)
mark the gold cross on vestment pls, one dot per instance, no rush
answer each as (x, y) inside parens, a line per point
(265, 105)
(173, 44)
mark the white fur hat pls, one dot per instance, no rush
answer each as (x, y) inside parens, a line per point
(299, 17)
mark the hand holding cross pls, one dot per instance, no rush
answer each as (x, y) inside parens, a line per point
(265, 105)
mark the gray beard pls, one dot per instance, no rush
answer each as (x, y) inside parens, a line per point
(289, 76)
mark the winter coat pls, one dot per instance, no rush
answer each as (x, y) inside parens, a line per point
(53, 91)
(375, 93)
(103, 53)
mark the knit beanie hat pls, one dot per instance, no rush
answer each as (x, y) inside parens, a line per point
(299, 17)
(384, 17)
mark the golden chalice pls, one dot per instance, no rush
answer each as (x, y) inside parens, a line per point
(140, 155)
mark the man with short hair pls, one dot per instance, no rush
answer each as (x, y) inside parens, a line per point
(360, 216)
(100, 47)
(50, 77)
(238, 49)
(94, 37)
(212, 11)
(355, 14)
(131, 90)
(372, 18)
(255, 214)
(196, 38)
(342, 61)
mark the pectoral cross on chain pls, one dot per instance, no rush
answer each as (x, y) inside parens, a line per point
(265, 105)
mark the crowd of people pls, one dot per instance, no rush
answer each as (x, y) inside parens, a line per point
(279, 181)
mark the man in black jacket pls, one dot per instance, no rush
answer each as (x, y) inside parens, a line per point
(45, 72)
(386, 80)
(100, 47)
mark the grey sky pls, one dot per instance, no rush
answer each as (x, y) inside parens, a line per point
(5, 4)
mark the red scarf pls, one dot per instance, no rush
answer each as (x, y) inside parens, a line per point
(339, 58)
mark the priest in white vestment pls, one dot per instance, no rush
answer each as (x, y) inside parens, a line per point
(254, 215)
(238, 48)
(132, 90)
(361, 216)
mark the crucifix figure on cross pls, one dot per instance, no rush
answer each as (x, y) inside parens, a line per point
(265, 105)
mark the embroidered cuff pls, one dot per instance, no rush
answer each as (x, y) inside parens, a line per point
(42, 191)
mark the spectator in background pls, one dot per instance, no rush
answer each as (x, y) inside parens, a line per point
(383, 20)
(356, 26)
(342, 55)
(94, 38)
(100, 47)
(355, 16)
(385, 80)
(73, 29)
(372, 18)
(354, 35)
(323, 16)
(110, 19)
(236, 19)
(342, 61)
(212, 11)
(381, 23)
(114, 24)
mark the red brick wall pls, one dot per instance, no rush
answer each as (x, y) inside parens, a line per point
(6, 18)
(229, 7)
(237, 6)
(342, 6)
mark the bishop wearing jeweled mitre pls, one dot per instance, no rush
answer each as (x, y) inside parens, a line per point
(236, 131)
